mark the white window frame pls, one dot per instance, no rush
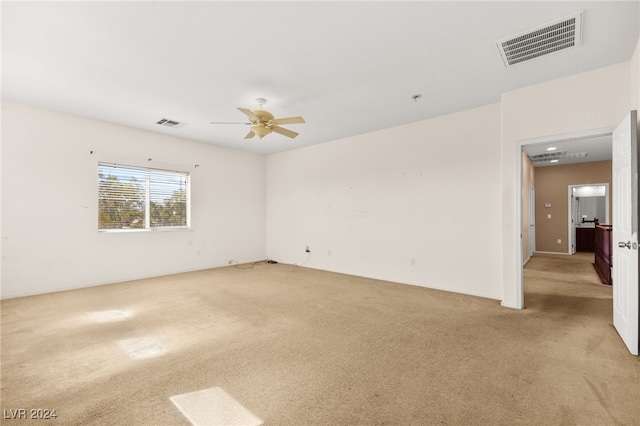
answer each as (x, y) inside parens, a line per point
(147, 201)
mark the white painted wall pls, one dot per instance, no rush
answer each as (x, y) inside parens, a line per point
(49, 206)
(634, 75)
(581, 102)
(435, 191)
(428, 191)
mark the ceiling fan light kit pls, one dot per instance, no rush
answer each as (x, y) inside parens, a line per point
(260, 131)
(263, 122)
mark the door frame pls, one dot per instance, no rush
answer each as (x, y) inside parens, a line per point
(572, 232)
(519, 278)
(532, 220)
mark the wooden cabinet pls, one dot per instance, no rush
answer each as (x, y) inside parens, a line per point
(585, 239)
(603, 253)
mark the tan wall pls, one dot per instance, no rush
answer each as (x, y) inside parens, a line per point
(552, 188)
(528, 178)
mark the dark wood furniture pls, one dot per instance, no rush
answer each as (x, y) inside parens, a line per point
(586, 239)
(603, 253)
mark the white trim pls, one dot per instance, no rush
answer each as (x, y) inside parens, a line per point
(519, 287)
(532, 220)
(566, 137)
(519, 280)
(430, 286)
(554, 252)
(571, 238)
(147, 200)
(148, 171)
(138, 230)
(4, 296)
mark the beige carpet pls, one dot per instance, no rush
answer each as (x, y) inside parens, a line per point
(296, 346)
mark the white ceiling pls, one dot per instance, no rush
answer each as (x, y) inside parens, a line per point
(347, 67)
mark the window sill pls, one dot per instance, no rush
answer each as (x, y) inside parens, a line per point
(139, 230)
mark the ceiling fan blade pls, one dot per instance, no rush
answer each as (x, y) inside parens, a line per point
(250, 135)
(248, 113)
(285, 132)
(289, 120)
(227, 122)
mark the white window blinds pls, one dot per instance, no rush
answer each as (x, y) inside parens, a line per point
(140, 198)
(167, 198)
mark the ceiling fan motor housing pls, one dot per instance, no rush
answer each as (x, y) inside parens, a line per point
(263, 116)
(263, 123)
(261, 130)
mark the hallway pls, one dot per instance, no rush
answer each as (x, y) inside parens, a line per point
(567, 286)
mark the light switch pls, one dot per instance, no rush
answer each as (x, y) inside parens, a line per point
(549, 216)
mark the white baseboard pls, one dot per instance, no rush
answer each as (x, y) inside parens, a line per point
(507, 305)
(552, 252)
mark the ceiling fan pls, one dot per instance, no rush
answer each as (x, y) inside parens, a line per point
(263, 122)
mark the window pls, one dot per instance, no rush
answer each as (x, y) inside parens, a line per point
(141, 198)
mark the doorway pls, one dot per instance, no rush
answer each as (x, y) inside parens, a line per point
(532, 220)
(588, 207)
(559, 142)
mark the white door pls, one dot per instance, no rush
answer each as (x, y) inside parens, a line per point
(625, 232)
(532, 220)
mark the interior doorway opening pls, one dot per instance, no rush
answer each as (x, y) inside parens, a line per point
(588, 207)
(532, 221)
(556, 141)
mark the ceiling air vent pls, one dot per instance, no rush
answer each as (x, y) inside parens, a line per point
(170, 123)
(577, 155)
(552, 37)
(556, 155)
(548, 156)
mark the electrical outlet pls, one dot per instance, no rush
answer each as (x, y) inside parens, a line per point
(559, 241)
(413, 261)
(329, 252)
(198, 252)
